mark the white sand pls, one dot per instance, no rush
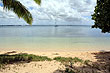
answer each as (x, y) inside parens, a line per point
(46, 66)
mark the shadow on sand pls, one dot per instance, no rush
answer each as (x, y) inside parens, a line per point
(102, 65)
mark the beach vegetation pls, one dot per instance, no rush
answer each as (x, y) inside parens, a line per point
(17, 58)
(68, 59)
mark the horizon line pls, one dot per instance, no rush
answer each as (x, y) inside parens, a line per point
(46, 25)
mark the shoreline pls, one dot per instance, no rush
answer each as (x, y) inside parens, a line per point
(55, 50)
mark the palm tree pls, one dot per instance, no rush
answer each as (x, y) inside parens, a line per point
(19, 9)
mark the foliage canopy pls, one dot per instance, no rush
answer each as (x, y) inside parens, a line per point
(102, 15)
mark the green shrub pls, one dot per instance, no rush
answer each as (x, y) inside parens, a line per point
(77, 60)
(69, 59)
(7, 59)
(63, 59)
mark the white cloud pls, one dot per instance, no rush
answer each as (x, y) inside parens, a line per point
(67, 11)
(6, 13)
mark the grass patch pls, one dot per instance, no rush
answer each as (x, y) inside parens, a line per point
(63, 59)
(68, 59)
(8, 59)
(76, 59)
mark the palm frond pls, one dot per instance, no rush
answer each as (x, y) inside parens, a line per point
(38, 1)
(18, 9)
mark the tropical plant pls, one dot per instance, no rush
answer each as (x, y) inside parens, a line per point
(19, 9)
(102, 15)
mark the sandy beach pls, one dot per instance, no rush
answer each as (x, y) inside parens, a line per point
(54, 36)
(96, 57)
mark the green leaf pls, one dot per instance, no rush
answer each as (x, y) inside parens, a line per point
(101, 15)
(18, 9)
(38, 1)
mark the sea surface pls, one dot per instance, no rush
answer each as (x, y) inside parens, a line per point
(53, 38)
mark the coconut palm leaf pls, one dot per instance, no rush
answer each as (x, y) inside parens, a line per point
(18, 9)
(38, 1)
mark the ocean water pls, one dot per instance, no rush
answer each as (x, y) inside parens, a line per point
(53, 38)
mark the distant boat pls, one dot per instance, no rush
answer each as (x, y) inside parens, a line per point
(56, 25)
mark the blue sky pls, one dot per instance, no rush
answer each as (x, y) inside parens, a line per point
(1, 4)
(74, 12)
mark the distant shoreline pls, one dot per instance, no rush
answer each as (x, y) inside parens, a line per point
(46, 25)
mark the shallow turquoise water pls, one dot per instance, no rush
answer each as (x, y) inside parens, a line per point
(50, 38)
